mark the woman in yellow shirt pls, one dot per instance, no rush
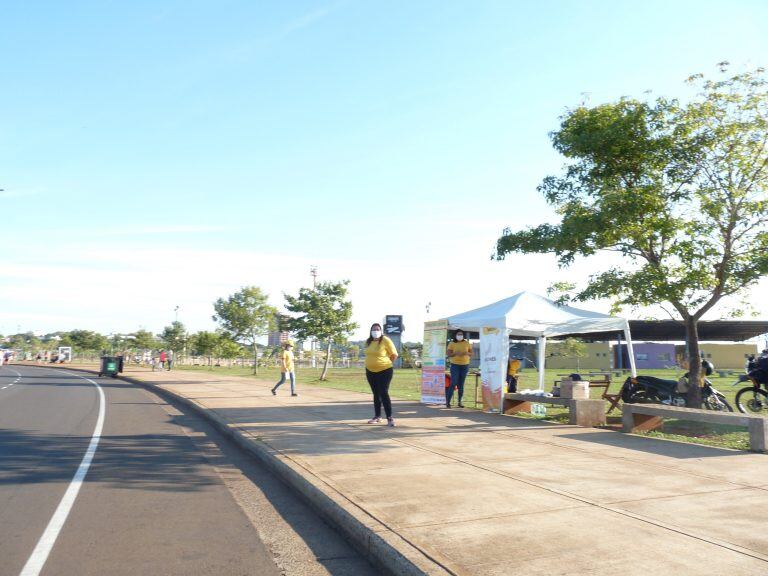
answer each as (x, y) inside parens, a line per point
(513, 365)
(460, 352)
(286, 369)
(380, 353)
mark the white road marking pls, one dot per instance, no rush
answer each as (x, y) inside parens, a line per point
(40, 554)
(15, 381)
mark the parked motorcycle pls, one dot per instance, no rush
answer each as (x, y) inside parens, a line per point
(649, 389)
(752, 400)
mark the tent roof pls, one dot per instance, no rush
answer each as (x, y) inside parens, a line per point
(530, 315)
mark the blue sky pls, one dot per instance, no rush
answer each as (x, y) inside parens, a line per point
(161, 154)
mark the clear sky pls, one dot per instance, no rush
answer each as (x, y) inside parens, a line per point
(156, 154)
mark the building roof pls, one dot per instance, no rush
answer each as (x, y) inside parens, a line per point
(674, 330)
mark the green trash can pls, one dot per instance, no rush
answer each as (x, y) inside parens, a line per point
(110, 366)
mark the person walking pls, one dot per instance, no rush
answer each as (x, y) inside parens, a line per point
(169, 359)
(163, 356)
(459, 351)
(380, 354)
(286, 369)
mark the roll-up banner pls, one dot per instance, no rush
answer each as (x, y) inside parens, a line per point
(493, 363)
(433, 362)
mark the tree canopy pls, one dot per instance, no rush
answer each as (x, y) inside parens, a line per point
(324, 313)
(680, 190)
(245, 316)
(174, 336)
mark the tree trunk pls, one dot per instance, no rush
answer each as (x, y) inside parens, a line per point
(694, 362)
(327, 359)
(255, 358)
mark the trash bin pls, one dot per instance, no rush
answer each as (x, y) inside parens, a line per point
(110, 365)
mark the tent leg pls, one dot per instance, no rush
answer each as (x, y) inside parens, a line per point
(630, 351)
(542, 346)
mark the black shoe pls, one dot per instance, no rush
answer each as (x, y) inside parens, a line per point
(461, 405)
(294, 394)
(447, 404)
(274, 393)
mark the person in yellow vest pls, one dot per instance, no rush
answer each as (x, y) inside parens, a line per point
(460, 352)
(286, 369)
(380, 353)
(513, 366)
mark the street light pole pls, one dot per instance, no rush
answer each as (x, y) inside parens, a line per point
(313, 342)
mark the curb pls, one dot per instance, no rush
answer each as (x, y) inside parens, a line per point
(378, 543)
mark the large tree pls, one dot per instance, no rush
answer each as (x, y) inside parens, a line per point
(229, 349)
(87, 340)
(246, 316)
(206, 344)
(174, 337)
(679, 190)
(142, 340)
(324, 313)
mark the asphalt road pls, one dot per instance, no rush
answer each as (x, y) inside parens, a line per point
(164, 494)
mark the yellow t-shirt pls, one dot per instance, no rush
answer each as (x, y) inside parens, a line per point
(287, 361)
(514, 366)
(377, 354)
(462, 347)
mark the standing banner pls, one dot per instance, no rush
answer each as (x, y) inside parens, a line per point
(494, 349)
(433, 362)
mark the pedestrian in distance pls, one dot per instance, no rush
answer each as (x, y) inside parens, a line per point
(459, 352)
(163, 357)
(513, 366)
(169, 359)
(380, 354)
(286, 369)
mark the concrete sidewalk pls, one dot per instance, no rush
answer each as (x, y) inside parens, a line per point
(461, 492)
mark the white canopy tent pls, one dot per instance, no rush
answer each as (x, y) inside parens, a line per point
(527, 315)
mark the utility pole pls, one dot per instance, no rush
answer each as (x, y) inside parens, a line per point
(313, 342)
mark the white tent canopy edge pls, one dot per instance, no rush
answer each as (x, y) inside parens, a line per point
(527, 315)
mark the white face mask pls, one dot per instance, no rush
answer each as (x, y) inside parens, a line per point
(375, 333)
(459, 337)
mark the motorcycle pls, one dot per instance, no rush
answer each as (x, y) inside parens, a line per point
(649, 389)
(752, 400)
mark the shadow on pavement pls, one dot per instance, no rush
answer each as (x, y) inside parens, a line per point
(667, 448)
(149, 461)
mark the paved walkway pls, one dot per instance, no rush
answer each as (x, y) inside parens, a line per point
(457, 491)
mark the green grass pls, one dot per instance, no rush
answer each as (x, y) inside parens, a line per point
(406, 385)
(717, 435)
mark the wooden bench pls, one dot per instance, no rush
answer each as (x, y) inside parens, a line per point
(645, 417)
(586, 412)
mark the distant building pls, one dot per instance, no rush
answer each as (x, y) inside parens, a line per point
(597, 356)
(648, 355)
(276, 338)
(732, 356)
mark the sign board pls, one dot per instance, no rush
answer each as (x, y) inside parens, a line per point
(393, 325)
(433, 362)
(538, 409)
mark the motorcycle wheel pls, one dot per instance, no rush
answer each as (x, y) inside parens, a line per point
(718, 403)
(752, 401)
(642, 398)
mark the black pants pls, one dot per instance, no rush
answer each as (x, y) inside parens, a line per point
(379, 383)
